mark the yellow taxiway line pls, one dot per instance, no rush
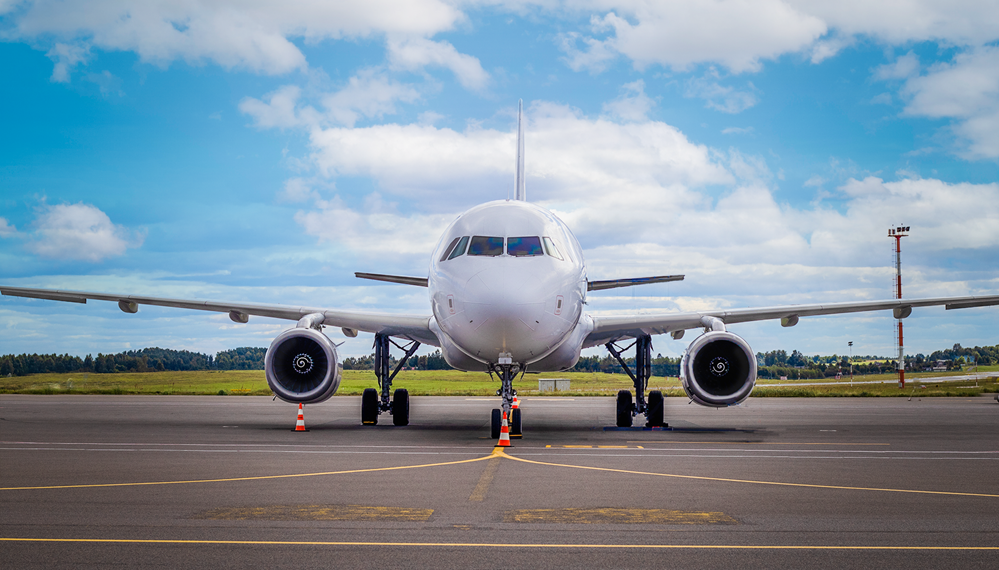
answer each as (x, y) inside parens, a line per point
(503, 545)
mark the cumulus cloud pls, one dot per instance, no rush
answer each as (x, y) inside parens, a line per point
(736, 35)
(79, 231)
(368, 94)
(6, 229)
(632, 105)
(720, 97)
(967, 91)
(414, 53)
(226, 32)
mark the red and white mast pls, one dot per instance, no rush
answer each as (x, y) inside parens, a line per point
(898, 233)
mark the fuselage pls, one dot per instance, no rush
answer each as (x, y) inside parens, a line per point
(507, 278)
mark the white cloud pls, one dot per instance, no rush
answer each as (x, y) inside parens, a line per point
(279, 110)
(79, 231)
(720, 97)
(7, 230)
(66, 57)
(414, 53)
(632, 105)
(966, 90)
(679, 35)
(368, 94)
(254, 36)
(903, 68)
(738, 131)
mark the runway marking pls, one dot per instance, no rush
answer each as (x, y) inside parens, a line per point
(317, 513)
(594, 447)
(616, 516)
(670, 441)
(256, 478)
(479, 493)
(508, 545)
(747, 481)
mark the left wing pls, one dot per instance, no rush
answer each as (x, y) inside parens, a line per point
(608, 328)
(413, 327)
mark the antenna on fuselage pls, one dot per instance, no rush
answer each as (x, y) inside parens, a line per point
(519, 189)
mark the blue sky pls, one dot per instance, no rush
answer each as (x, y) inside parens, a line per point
(265, 152)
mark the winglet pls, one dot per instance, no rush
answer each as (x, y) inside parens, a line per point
(520, 190)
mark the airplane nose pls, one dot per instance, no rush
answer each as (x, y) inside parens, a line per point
(505, 309)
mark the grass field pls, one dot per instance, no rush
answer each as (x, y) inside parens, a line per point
(456, 383)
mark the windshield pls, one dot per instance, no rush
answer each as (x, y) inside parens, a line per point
(485, 245)
(524, 246)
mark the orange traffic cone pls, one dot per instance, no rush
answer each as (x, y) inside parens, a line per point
(300, 424)
(504, 440)
(516, 403)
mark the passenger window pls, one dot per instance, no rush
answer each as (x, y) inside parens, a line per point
(460, 249)
(484, 245)
(447, 252)
(551, 250)
(524, 246)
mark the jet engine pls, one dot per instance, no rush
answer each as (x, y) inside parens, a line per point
(302, 367)
(718, 369)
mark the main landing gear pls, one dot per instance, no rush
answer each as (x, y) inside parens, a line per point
(371, 404)
(654, 408)
(507, 371)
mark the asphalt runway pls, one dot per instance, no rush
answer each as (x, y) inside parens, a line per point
(211, 482)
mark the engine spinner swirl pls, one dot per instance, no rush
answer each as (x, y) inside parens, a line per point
(302, 363)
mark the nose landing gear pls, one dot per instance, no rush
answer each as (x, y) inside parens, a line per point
(654, 408)
(507, 371)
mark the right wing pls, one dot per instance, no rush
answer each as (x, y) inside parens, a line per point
(609, 328)
(614, 283)
(413, 327)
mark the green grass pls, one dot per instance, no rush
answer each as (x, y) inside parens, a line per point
(452, 383)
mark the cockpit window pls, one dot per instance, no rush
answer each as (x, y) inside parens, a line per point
(460, 249)
(524, 246)
(484, 245)
(551, 249)
(450, 247)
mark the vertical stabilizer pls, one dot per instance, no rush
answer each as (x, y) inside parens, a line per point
(520, 190)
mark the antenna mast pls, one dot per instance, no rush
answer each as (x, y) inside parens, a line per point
(898, 233)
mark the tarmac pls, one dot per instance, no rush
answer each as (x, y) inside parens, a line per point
(221, 482)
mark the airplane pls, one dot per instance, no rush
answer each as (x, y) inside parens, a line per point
(507, 285)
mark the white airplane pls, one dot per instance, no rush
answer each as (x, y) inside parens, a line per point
(507, 285)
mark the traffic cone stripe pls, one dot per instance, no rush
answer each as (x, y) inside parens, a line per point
(516, 403)
(300, 424)
(504, 439)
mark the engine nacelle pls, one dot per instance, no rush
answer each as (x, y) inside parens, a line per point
(302, 367)
(718, 369)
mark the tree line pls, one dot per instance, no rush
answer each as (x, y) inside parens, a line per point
(772, 364)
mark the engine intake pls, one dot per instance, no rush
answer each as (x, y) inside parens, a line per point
(718, 369)
(301, 366)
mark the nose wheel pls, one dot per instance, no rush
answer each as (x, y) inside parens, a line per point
(507, 371)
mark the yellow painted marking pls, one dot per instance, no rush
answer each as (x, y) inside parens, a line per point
(752, 442)
(612, 446)
(749, 481)
(616, 516)
(506, 544)
(578, 446)
(317, 513)
(257, 478)
(479, 493)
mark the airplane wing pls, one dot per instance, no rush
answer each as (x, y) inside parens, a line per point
(413, 327)
(609, 328)
(614, 283)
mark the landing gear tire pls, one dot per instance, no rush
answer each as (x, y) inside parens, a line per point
(624, 407)
(656, 413)
(400, 407)
(515, 424)
(369, 407)
(497, 420)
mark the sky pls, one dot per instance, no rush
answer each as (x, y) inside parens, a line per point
(265, 151)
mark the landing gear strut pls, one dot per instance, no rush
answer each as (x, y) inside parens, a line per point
(507, 371)
(654, 407)
(398, 406)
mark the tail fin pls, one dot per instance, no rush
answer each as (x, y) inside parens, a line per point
(520, 190)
